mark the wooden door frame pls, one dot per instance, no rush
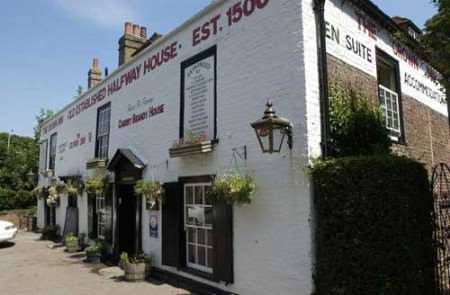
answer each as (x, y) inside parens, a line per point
(138, 219)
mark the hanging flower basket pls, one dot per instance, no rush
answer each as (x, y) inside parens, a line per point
(233, 189)
(53, 196)
(191, 145)
(152, 191)
(38, 192)
(96, 185)
(74, 188)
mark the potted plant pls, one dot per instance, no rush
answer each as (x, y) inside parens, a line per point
(93, 252)
(71, 243)
(152, 191)
(233, 189)
(191, 144)
(96, 185)
(82, 241)
(136, 268)
(50, 233)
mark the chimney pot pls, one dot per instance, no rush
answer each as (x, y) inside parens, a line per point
(94, 74)
(136, 30)
(95, 63)
(144, 32)
(131, 41)
(128, 29)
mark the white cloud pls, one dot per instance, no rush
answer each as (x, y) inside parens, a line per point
(110, 13)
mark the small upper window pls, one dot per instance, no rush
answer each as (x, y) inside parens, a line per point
(52, 157)
(102, 141)
(43, 155)
(389, 94)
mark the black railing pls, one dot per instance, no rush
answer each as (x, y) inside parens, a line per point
(441, 234)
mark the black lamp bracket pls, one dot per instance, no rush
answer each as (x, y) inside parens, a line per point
(241, 152)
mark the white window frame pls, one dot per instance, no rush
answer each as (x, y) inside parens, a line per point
(43, 155)
(197, 227)
(52, 152)
(100, 210)
(103, 126)
(384, 107)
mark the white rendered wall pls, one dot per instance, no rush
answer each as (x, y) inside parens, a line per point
(262, 57)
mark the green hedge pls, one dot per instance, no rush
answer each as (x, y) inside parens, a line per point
(374, 227)
(11, 199)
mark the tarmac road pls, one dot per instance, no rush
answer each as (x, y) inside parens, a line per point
(29, 266)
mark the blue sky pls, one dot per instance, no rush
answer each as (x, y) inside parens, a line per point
(47, 45)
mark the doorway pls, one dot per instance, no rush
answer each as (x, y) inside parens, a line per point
(127, 168)
(129, 230)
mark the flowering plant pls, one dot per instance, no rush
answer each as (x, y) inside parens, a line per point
(53, 196)
(38, 192)
(96, 185)
(190, 138)
(151, 190)
(74, 188)
(233, 189)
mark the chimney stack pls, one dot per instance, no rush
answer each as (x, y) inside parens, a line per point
(133, 38)
(94, 74)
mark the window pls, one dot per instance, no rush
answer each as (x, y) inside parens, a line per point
(102, 141)
(198, 235)
(389, 94)
(198, 225)
(100, 209)
(43, 155)
(52, 157)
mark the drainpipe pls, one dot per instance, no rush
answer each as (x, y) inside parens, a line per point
(319, 8)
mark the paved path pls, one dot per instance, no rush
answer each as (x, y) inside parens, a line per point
(29, 266)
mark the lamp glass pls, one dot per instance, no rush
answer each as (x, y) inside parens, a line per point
(278, 138)
(263, 134)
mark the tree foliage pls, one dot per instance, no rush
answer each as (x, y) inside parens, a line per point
(41, 117)
(14, 167)
(15, 164)
(356, 125)
(79, 92)
(436, 40)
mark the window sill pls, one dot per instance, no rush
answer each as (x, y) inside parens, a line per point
(97, 163)
(48, 173)
(398, 140)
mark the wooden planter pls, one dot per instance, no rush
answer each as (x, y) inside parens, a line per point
(136, 271)
(191, 149)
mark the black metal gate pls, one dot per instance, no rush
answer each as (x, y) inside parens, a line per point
(441, 194)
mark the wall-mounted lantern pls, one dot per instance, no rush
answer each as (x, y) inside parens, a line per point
(30, 177)
(271, 131)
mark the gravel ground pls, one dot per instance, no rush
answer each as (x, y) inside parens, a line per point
(29, 266)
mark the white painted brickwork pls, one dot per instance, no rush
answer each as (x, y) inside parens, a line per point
(271, 54)
(264, 56)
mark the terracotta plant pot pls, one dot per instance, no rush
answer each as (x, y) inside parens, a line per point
(136, 271)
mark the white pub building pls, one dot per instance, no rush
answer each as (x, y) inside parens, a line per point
(210, 78)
